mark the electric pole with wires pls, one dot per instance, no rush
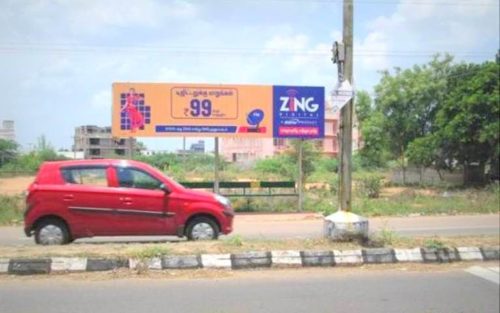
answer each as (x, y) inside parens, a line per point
(344, 224)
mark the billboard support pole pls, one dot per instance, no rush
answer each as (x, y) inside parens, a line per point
(301, 175)
(216, 164)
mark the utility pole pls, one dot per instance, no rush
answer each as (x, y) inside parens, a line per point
(346, 113)
(345, 225)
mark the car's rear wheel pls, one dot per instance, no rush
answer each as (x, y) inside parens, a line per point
(202, 228)
(51, 232)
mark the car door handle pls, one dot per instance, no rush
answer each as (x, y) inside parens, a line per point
(125, 199)
(68, 198)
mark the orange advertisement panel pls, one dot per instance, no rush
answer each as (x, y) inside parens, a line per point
(201, 110)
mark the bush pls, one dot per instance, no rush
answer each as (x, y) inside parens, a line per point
(11, 209)
(369, 185)
(280, 164)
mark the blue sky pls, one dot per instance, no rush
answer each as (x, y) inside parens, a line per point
(59, 58)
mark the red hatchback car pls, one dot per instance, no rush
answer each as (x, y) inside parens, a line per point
(75, 199)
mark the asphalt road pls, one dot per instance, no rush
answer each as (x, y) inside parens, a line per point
(284, 226)
(322, 290)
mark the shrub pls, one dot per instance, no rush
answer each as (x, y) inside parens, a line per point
(369, 185)
(11, 209)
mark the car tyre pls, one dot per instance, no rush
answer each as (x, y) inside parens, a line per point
(202, 228)
(52, 232)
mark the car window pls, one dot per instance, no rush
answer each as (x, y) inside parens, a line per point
(135, 178)
(85, 176)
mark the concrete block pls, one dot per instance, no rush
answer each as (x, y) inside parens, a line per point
(181, 262)
(68, 264)
(447, 255)
(377, 256)
(470, 253)
(29, 266)
(491, 253)
(152, 264)
(105, 264)
(252, 259)
(348, 257)
(429, 255)
(317, 258)
(286, 258)
(408, 255)
(443, 255)
(216, 260)
(4, 266)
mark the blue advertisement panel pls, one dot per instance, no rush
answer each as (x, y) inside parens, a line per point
(298, 112)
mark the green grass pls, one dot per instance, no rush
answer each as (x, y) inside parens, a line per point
(413, 202)
(11, 210)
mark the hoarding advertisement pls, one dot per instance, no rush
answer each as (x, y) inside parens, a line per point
(202, 110)
(299, 112)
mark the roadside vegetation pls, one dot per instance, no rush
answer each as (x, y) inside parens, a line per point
(430, 145)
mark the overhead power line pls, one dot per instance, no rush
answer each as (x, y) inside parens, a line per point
(68, 48)
(390, 2)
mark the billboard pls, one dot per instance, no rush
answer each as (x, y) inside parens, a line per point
(203, 110)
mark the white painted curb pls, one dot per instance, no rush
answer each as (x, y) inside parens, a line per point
(348, 257)
(408, 255)
(4, 265)
(470, 253)
(68, 264)
(286, 257)
(216, 260)
(152, 264)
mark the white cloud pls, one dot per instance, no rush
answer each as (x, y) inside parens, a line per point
(431, 27)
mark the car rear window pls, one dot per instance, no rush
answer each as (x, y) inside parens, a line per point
(93, 176)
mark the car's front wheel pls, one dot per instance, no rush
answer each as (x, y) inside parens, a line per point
(202, 228)
(51, 232)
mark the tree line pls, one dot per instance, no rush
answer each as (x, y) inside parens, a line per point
(440, 115)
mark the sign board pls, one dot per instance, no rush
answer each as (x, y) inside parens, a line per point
(342, 93)
(203, 110)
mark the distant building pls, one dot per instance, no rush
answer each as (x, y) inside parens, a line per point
(7, 130)
(197, 147)
(251, 149)
(98, 143)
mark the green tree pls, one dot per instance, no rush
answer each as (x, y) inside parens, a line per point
(363, 106)
(373, 153)
(8, 151)
(409, 100)
(469, 119)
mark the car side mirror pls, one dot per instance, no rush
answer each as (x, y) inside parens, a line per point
(165, 189)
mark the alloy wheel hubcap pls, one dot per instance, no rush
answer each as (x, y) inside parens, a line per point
(51, 235)
(203, 231)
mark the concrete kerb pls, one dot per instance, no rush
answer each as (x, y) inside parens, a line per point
(251, 260)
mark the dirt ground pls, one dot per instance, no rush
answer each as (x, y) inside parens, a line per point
(15, 185)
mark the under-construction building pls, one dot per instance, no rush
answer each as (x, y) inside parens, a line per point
(97, 143)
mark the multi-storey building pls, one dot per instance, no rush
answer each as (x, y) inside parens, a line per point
(7, 130)
(97, 143)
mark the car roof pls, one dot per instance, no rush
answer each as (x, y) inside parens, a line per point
(96, 162)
